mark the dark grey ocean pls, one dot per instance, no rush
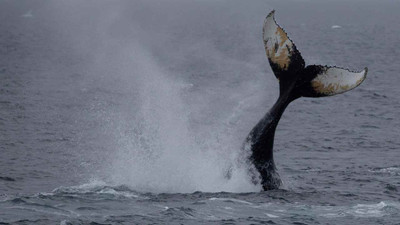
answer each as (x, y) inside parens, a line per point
(132, 112)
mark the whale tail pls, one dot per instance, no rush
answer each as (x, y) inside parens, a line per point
(295, 81)
(289, 67)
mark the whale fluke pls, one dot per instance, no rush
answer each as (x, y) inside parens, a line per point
(295, 81)
(323, 81)
(282, 53)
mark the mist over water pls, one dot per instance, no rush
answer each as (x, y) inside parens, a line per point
(124, 112)
(160, 128)
(157, 150)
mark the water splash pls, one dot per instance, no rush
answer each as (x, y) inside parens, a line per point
(153, 127)
(162, 153)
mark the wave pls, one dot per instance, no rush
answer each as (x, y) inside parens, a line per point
(100, 202)
(393, 171)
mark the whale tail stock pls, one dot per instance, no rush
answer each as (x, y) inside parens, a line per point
(295, 81)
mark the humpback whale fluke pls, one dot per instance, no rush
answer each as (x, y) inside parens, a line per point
(295, 81)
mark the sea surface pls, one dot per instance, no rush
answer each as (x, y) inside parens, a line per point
(132, 112)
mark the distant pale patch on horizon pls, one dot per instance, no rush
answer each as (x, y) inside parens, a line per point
(28, 14)
(336, 27)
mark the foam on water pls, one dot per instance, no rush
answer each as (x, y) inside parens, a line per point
(359, 210)
(231, 200)
(394, 171)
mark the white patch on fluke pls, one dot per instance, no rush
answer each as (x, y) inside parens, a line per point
(336, 80)
(277, 44)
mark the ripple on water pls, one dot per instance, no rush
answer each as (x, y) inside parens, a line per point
(84, 203)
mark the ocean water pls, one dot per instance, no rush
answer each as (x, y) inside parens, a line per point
(132, 112)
